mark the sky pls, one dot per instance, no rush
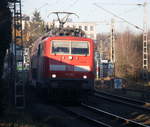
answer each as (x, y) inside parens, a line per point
(87, 11)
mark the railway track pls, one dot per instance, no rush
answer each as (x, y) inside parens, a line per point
(124, 100)
(121, 120)
(100, 118)
(93, 116)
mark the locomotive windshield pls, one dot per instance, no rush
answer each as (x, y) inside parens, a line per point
(79, 48)
(70, 47)
(60, 47)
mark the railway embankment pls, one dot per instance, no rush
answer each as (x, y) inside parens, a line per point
(136, 90)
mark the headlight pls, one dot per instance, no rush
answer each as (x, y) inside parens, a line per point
(84, 76)
(70, 57)
(53, 75)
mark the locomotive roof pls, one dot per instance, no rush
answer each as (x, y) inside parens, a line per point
(53, 32)
(67, 31)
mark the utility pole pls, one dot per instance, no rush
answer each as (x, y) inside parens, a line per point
(112, 45)
(145, 49)
(101, 48)
(18, 71)
(112, 41)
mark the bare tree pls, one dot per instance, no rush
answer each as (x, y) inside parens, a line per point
(128, 54)
(33, 29)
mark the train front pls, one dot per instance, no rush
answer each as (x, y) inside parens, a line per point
(70, 63)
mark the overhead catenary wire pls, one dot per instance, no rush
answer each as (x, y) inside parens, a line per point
(123, 4)
(118, 16)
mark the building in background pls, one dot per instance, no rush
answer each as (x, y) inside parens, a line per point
(88, 27)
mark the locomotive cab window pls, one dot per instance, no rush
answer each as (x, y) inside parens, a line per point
(80, 48)
(60, 47)
(70, 47)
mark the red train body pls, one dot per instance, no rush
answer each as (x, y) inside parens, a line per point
(63, 62)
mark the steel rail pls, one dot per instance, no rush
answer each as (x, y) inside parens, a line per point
(124, 120)
(121, 97)
(123, 100)
(84, 117)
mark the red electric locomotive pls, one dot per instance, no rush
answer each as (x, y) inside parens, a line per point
(64, 62)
